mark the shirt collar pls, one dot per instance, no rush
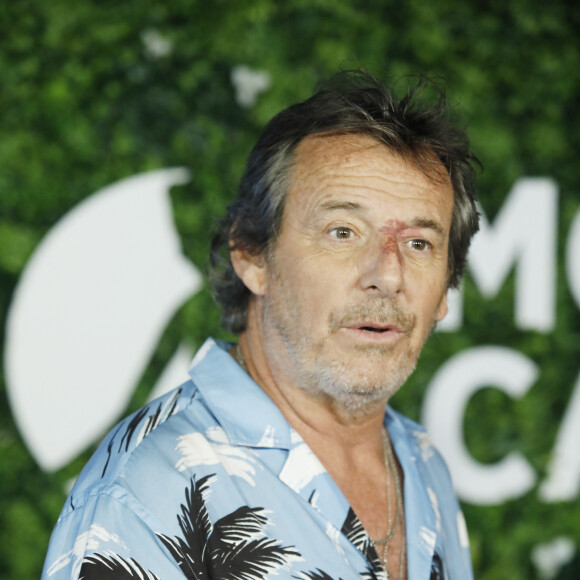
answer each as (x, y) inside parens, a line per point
(249, 417)
(244, 411)
(422, 521)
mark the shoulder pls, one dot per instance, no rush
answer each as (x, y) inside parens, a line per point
(146, 444)
(115, 506)
(148, 427)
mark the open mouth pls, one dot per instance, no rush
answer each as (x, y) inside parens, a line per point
(374, 329)
(368, 332)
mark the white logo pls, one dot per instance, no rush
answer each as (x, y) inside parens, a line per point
(88, 312)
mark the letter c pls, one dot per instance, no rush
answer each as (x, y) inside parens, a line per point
(444, 408)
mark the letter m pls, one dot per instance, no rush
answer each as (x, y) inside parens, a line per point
(523, 235)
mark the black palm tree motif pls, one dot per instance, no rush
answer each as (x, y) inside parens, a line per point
(99, 567)
(356, 534)
(228, 549)
(354, 531)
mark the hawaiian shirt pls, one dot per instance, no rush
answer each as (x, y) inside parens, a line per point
(210, 481)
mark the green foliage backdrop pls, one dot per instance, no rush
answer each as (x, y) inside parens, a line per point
(92, 92)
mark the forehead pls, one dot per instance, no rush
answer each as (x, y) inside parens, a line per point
(358, 166)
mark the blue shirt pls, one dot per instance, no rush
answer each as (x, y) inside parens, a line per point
(210, 481)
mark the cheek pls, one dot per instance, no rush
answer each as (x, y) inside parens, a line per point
(305, 269)
(427, 291)
(315, 281)
(313, 293)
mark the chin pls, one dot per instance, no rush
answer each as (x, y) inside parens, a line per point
(358, 390)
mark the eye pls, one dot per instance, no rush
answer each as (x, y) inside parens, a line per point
(341, 233)
(419, 245)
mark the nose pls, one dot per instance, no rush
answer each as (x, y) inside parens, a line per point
(381, 268)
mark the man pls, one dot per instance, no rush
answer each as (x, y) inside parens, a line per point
(351, 222)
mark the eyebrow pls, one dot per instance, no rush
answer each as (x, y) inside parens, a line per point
(428, 223)
(338, 205)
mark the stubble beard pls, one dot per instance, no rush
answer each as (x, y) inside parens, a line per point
(323, 375)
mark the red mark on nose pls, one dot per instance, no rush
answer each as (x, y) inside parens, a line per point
(393, 227)
(390, 231)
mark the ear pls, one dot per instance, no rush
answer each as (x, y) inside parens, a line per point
(251, 270)
(441, 310)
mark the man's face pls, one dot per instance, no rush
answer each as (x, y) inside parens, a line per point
(358, 274)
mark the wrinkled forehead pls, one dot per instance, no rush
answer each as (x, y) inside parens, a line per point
(327, 151)
(327, 163)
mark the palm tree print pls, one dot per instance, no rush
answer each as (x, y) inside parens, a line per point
(99, 567)
(356, 534)
(354, 531)
(227, 549)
